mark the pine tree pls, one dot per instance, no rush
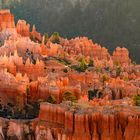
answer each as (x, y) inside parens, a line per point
(83, 65)
(55, 38)
(69, 96)
(51, 99)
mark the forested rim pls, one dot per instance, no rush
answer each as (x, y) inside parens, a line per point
(109, 22)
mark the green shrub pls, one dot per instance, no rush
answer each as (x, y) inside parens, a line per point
(65, 70)
(55, 38)
(104, 78)
(83, 65)
(118, 70)
(46, 38)
(107, 68)
(34, 39)
(126, 79)
(64, 61)
(97, 69)
(91, 63)
(137, 100)
(69, 96)
(51, 99)
(116, 63)
(134, 63)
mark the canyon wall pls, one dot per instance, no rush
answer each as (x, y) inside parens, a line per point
(105, 123)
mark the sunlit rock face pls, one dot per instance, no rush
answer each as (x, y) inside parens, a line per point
(84, 46)
(107, 123)
(36, 34)
(121, 55)
(23, 28)
(10, 88)
(6, 19)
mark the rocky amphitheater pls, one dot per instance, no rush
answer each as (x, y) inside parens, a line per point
(71, 89)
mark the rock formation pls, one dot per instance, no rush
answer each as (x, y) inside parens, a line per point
(23, 28)
(90, 92)
(87, 123)
(36, 34)
(120, 53)
(6, 19)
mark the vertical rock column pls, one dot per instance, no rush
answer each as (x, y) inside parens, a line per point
(60, 114)
(69, 121)
(132, 131)
(94, 126)
(44, 112)
(80, 127)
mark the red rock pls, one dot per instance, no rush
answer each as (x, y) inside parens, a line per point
(36, 34)
(95, 125)
(6, 19)
(69, 121)
(121, 55)
(23, 28)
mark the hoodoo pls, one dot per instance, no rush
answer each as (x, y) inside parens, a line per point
(6, 20)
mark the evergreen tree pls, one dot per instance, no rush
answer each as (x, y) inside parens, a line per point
(137, 100)
(69, 96)
(46, 38)
(51, 99)
(55, 38)
(83, 65)
(91, 63)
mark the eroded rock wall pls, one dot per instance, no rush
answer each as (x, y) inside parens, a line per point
(110, 123)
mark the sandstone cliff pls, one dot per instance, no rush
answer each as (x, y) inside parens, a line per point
(104, 123)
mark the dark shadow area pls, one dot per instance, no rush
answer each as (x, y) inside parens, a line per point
(11, 111)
